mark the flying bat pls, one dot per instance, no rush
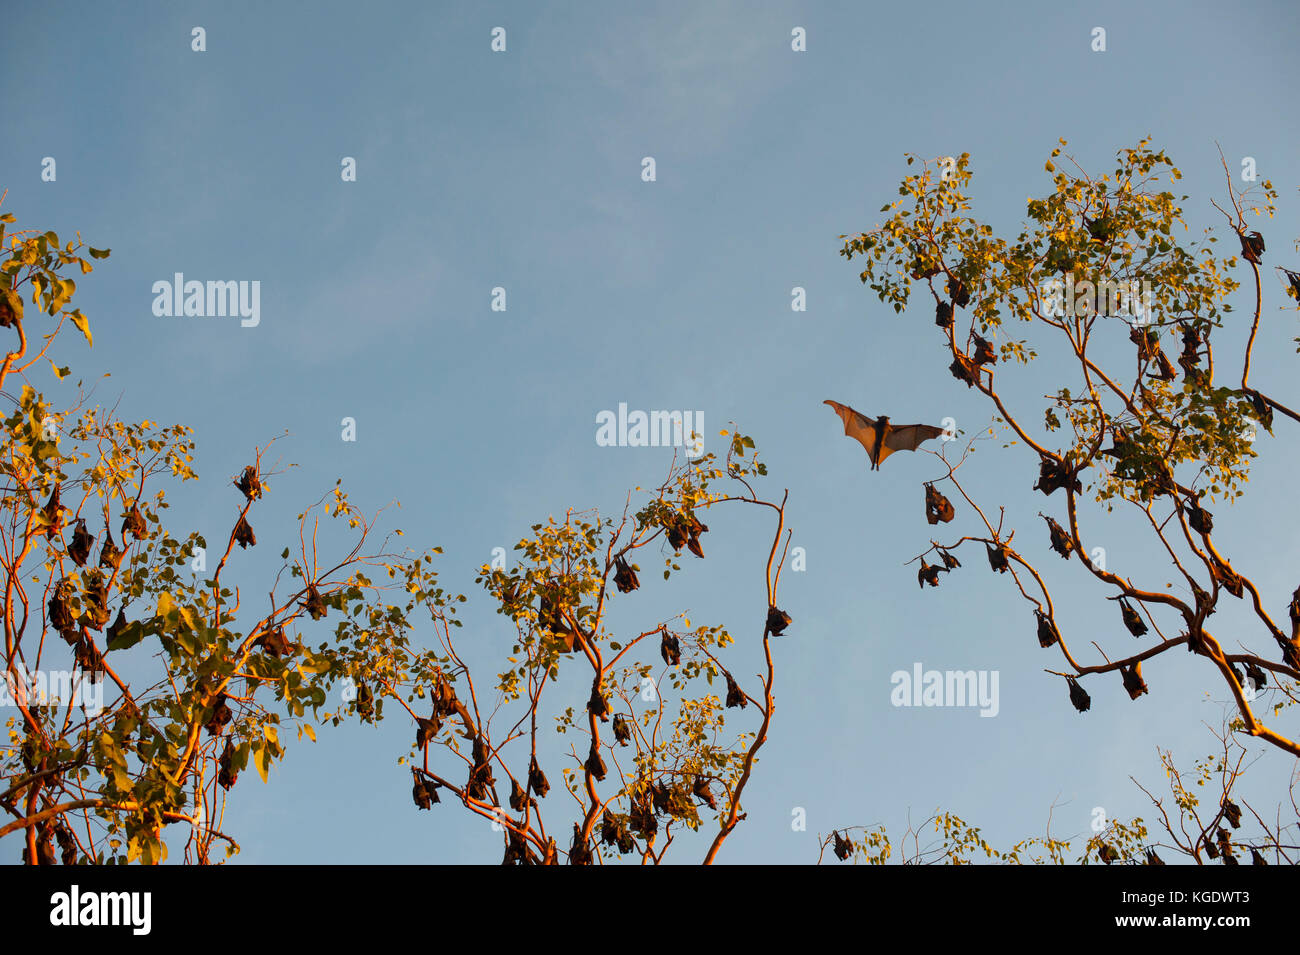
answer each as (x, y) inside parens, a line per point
(879, 437)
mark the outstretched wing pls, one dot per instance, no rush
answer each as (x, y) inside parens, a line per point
(908, 437)
(859, 426)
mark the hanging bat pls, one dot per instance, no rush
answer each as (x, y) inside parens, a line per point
(1133, 681)
(1252, 246)
(1132, 620)
(1232, 812)
(949, 561)
(735, 697)
(879, 437)
(843, 847)
(1061, 542)
(1047, 632)
(1256, 858)
(622, 732)
(777, 621)
(1153, 859)
(984, 353)
(625, 577)
(963, 369)
(1294, 279)
(597, 705)
(1053, 474)
(669, 648)
(537, 779)
(960, 297)
(1228, 579)
(943, 315)
(937, 507)
(997, 558)
(518, 799)
(1201, 520)
(249, 484)
(79, 549)
(244, 535)
(1078, 695)
(594, 764)
(700, 789)
(929, 574)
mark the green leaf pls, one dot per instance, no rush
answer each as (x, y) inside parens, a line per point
(84, 324)
(99, 253)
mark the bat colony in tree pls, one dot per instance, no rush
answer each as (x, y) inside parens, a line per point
(1152, 440)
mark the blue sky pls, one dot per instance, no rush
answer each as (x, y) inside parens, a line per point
(522, 170)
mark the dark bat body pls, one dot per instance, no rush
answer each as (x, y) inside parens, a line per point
(879, 437)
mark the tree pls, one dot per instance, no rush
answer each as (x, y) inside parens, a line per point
(1123, 430)
(645, 754)
(114, 747)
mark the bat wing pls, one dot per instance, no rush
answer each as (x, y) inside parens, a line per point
(859, 426)
(908, 437)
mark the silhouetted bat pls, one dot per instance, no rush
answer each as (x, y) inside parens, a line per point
(937, 507)
(641, 817)
(878, 436)
(314, 605)
(622, 732)
(52, 513)
(943, 315)
(221, 715)
(424, 792)
(79, 549)
(244, 535)
(597, 705)
(1232, 812)
(365, 702)
(998, 558)
(1256, 675)
(700, 789)
(1191, 355)
(227, 775)
(579, 852)
(1201, 520)
(1153, 859)
(625, 577)
(1078, 695)
(480, 773)
(1061, 542)
(1053, 474)
(984, 353)
(133, 523)
(777, 621)
(275, 643)
(949, 561)
(734, 695)
(109, 555)
(537, 779)
(594, 764)
(960, 297)
(1263, 410)
(425, 731)
(1108, 853)
(249, 484)
(1225, 846)
(963, 369)
(1132, 619)
(928, 574)
(60, 607)
(1252, 246)
(1133, 681)
(843, 847)
(97, 612)
(669, 648)
(1256, 858)
(1211, 849)
(117, 626)
(693, 531)
(1228, 579)
(1047, 632)
(518, 798)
